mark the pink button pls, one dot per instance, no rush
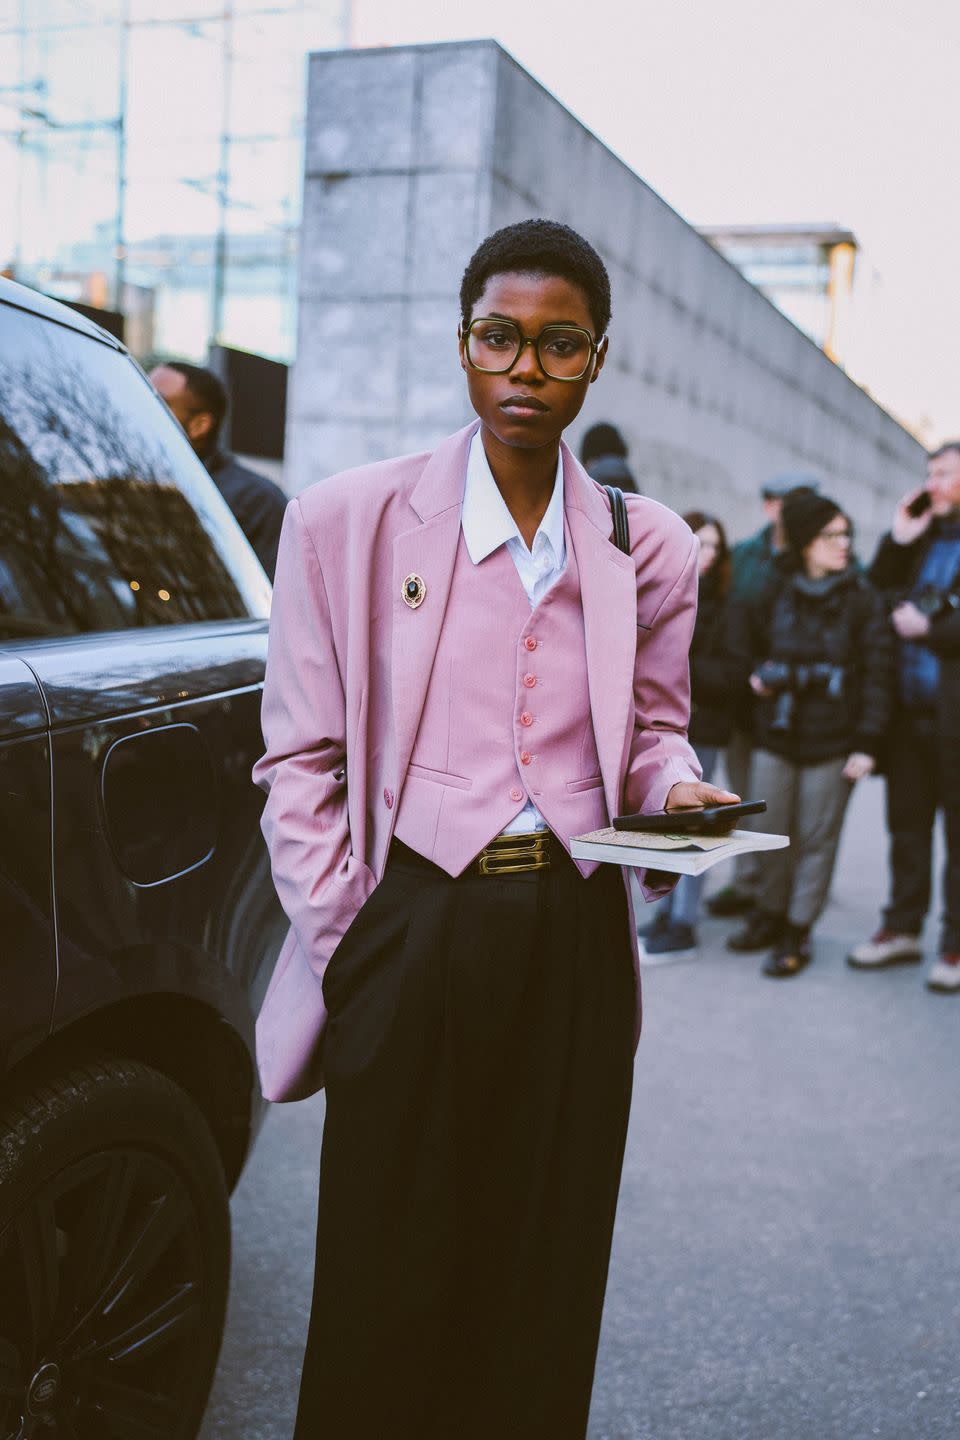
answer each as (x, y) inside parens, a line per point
(530, 643)
(516, 793)
(388, 799)
(525, 757)
(529, 680)
(526, 718)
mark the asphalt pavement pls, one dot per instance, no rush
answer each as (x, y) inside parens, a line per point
(785, 1263)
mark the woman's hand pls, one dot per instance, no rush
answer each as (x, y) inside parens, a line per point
(858, 765)
(691, 794)
(758, 687)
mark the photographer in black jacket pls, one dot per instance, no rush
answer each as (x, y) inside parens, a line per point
(823, 677)
(918, 566)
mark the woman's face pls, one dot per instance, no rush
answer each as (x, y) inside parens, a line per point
(709, 537)
(525, 407)
(829, 552)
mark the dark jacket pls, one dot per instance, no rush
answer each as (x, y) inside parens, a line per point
(257, 504)
(753, 566)
(838, 622)
(894, 571)
(717, 671)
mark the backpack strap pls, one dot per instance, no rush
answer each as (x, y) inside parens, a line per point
(621, 524)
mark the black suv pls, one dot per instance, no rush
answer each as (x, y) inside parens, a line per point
(138, 924)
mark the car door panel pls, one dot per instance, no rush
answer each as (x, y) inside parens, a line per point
(27, 947)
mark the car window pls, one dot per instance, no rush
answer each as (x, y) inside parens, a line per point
(107, 518)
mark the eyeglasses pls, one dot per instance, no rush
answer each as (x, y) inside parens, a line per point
(564, 352)
(834, 535)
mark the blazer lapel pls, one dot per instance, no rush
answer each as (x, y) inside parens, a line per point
(429, 551)
(608, 595)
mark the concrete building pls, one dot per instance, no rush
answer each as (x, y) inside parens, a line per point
(412, 156)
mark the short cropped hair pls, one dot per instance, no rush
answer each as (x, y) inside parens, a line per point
(602, 439)
(944, 449)
(207, 390)
(539, 247)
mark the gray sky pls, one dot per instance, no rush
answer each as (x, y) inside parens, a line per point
(759, 111)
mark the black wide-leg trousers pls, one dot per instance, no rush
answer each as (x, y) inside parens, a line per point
(478, 1063)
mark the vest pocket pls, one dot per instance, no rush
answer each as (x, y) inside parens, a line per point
(440, 777)
(592, 783)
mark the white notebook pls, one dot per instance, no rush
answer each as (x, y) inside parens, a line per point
(677, 854)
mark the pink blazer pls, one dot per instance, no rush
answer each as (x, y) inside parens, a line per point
(346, 680)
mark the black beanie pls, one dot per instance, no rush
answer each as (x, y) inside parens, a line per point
(803, 517)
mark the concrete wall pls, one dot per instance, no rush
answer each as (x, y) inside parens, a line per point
(413, 155)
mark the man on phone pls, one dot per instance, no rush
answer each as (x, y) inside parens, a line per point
(918, 565)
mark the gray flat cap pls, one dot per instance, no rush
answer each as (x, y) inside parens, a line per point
(780, 485)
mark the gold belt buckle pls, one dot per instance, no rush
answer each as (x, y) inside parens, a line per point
(515, 854)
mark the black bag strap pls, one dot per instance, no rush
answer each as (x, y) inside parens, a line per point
(621, 525)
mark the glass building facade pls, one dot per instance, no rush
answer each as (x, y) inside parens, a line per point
(151, 161)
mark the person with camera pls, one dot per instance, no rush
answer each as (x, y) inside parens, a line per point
(822, 682)
(917, 565)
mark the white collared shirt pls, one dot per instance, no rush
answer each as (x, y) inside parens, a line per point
(487, 524)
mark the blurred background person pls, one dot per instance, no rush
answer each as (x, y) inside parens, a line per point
(603, 454)
(198, 399)
(917, 565)
(823, 682)
(716, 673)
(753, 563)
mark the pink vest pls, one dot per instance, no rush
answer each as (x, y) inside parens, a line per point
(522, 677)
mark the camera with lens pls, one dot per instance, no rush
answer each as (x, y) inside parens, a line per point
(788, 681)
(934, 602)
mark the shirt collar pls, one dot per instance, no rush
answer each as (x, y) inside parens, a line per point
(487, 523)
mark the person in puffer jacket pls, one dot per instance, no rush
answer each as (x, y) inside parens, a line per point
(823, 675)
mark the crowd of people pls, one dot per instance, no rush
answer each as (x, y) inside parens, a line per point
(809, 671)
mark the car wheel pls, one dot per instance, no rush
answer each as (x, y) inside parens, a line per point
(114, 1258)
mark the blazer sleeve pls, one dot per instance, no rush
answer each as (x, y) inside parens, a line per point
(660, 753)
(321, 884)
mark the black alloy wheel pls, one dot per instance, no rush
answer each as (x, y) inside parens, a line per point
(114, 1258)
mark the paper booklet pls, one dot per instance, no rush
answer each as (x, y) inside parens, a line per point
(678, 854)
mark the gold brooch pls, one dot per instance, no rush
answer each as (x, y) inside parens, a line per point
(413, 591)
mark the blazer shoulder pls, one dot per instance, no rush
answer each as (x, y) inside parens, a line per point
(655, 526)
(363, 491)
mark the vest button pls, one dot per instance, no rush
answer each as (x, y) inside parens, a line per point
(529, 680)
(388, 799)
(525, 757)
(526, 718)
(516, 793)
(530, 643)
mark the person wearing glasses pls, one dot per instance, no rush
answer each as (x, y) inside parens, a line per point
(823, 684)
(464, 671)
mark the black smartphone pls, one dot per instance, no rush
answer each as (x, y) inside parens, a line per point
(920, 504)
(702, 820)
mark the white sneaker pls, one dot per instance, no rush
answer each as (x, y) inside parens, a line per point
(886, 948)
(944, 976)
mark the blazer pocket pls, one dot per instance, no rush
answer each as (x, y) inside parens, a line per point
(594, 782)
(440, 777)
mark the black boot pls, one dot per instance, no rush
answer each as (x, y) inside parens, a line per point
(792, 955)
(762, 930)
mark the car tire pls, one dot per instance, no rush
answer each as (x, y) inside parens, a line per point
(114, 1257)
